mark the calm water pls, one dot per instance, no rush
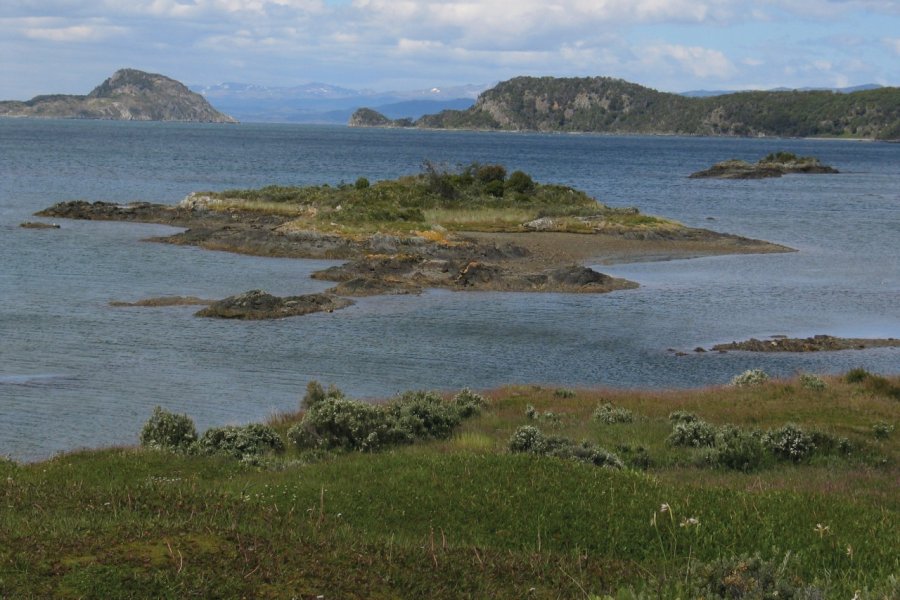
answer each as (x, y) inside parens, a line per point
(75, 372)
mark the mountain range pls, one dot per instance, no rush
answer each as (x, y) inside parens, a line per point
(326, 103)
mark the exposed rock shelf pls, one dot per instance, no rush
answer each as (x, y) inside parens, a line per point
(818, 343)
(773, 165)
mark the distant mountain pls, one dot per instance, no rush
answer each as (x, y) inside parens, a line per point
(129, 95)
(325, 103)
(603, 104)
(844, 90)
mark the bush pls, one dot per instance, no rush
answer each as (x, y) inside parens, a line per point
(749, 378)
(682, 416)
(808, 381)
(857, 375)
(694, 434)
(246, 443)
(520, 182)
(790, 443)
(564, 393)
(882, 430)
(334, 422)
(738, 449)
(468, 403)
(494, 188)
(339, 423)
(610, 415)
(168, 431)
(751, 577)
(423, 415)
(531, 440)
(361, 183)
(527, 439)
(490, 173)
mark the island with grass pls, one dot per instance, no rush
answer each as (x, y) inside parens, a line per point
(758, 489)
(775, 164)
(468, 228)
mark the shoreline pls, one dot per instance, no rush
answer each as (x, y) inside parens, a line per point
(379, 264)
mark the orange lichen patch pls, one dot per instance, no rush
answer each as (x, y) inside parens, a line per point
(435, 236)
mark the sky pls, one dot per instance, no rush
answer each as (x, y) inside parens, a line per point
(70, 46)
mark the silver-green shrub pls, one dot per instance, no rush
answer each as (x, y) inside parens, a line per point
(529, 439)
(749, 378)
(168, 431)
(468, 403)
(610, 415)
(789, 443)
(682, 416)
(808, 381)
(242, 442)
(694, 434)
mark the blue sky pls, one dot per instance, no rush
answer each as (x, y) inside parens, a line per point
(68, 46)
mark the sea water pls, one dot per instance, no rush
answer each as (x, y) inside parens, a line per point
(76, 372)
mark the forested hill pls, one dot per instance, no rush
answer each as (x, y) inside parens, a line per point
(603, 104)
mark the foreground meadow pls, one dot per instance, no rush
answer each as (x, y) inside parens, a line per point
(765, 489)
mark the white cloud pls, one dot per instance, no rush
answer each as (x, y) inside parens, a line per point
(65, 30)
(696, 60)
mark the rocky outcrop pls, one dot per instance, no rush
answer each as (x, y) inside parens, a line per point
(38, 225)
(818, 343)
(129, 95)
(366, 117)
(257, 305)
(774, 165)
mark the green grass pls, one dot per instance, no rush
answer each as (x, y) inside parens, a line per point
(464, 198)
(463, 517)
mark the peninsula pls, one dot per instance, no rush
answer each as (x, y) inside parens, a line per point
(607, 105)
(129, 95)
(473, 228)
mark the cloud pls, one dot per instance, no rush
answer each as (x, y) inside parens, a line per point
(698, 61)
(64, 31)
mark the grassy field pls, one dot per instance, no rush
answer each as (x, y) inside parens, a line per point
(473, 197)
(461, 515)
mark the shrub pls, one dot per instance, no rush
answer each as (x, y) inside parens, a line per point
(751, 577)
(695, 434)
(490, 173)
(520, 182)
(361, 183)
(315, 393)
(527, 439)
(247, 442)
(610, 415)
(168, 431)
(339, 423)
(531, 440)
(808, 381)
(531, 413)
(882, 430)
(494, 188)
(468, 403)
(682, 416)
(564, 393)
(423, 415)
(738, 449)
(749, 378)
(790, 443)
(857, 375)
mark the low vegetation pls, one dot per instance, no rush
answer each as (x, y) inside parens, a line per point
(778, 489)
(474, 197)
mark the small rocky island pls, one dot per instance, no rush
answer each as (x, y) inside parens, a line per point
(773, 165)
(129, 95)
(817, 343)
(472, 228)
